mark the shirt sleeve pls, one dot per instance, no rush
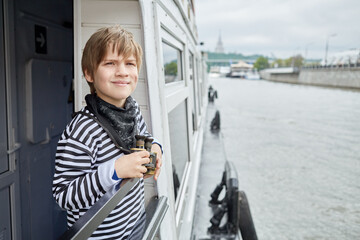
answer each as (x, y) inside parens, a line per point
(77, 184)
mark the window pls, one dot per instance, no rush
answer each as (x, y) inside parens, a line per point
(172, 63)
(200, 76)
(193, 79)
(179, 142)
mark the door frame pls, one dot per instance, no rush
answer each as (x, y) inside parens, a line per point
(10, 178)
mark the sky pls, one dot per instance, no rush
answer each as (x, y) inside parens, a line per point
(279, 28)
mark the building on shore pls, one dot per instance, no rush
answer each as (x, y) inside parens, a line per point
(343, 58)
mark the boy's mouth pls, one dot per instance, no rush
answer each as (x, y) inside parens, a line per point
(120, 83)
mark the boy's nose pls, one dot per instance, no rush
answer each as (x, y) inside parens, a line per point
(121, 70)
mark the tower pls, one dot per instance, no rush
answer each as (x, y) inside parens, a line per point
(219, 46)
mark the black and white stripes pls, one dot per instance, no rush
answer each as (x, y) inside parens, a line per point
(84, 168)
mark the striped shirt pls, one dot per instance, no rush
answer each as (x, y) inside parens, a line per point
(84, 167)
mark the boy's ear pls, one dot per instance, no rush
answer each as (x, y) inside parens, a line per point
(88, 76)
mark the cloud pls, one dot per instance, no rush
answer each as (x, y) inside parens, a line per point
(281, 27)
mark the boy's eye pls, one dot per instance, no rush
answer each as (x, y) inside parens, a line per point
(109, 63)
(131, 63)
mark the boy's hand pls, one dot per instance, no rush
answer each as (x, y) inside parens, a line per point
(156, 148)
(131, 165)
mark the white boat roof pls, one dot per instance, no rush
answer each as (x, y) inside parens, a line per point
(280, 70)
(241, 64)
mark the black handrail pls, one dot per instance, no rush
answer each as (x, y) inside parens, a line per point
(229, 204)
(246, 224)
(232, 193)
(89, 222)
(236, 206)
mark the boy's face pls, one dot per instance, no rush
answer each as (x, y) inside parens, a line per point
(115, 78)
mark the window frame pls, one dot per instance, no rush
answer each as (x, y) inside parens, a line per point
(175, 94)
(180, 67)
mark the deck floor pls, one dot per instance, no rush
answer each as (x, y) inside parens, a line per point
(210, 174)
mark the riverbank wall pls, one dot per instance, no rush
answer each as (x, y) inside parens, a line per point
(280, 77)
(342, 77)
(334, 77)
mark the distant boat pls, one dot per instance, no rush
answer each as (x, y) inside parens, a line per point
(218, 71)
(243, 70)
(252, 75)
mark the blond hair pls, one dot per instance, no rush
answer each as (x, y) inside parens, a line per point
(96, 47)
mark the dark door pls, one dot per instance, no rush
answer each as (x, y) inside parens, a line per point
(42, 43)
(9, 173)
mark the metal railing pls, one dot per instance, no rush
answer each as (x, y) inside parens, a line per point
(235, 205)
(333, 66)
(89, 222)
(155, 212)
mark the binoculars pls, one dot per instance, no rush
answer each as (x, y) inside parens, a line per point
(144, 143)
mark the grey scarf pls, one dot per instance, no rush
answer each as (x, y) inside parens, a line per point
(122, 120)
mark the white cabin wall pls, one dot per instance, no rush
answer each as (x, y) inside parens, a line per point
(90, 15)
(151, 21)
(174, 26)
(89, 18)
(154, 71)
(172, 94)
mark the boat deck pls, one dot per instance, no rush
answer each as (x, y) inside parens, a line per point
(210, 175)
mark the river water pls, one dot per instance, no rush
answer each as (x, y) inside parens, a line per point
(297, 153)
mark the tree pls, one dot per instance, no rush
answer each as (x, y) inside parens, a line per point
(295, 61)
(278, 63)
(171, 68)
(261, 63)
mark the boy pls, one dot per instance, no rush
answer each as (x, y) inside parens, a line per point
(89, 159)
